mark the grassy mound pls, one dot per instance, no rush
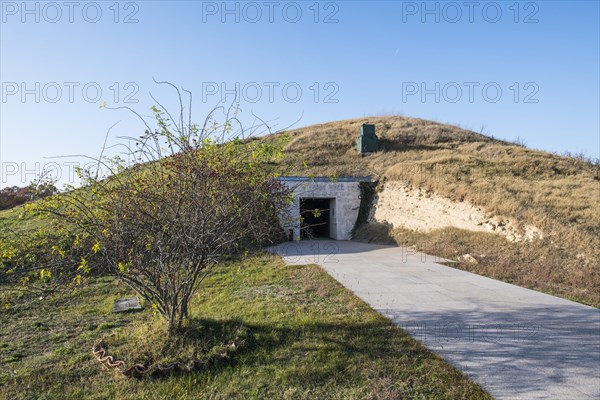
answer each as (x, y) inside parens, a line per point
(560, 195)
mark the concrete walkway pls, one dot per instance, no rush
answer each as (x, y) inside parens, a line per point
(516, 343)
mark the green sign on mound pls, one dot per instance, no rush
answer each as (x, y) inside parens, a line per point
(367, 141)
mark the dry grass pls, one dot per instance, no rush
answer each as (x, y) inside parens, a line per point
(560, 195)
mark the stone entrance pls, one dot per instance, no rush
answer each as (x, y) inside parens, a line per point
(322, 207)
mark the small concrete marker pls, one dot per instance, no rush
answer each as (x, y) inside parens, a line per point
(127, 304)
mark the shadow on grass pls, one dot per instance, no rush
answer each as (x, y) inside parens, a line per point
(404, 144)
(308, 353)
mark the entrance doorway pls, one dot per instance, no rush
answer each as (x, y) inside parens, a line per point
(316, 218)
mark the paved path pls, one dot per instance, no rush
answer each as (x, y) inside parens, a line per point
(516, 343)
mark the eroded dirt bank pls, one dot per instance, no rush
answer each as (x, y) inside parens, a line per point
(401, 205)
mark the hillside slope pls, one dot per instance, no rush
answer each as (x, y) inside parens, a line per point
(556, 198)
(558, 195)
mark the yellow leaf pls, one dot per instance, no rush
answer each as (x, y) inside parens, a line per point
(44, 274)
(83, 266)
(124, 268)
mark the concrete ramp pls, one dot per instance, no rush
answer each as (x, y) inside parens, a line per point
(516, 343)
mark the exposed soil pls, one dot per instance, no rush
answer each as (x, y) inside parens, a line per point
(401, 205)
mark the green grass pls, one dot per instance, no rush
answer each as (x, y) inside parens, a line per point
(16, 220)
(305, 337)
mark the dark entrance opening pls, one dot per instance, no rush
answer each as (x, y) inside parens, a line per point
(315, 215)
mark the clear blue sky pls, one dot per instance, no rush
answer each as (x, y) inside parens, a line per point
(443, 61)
